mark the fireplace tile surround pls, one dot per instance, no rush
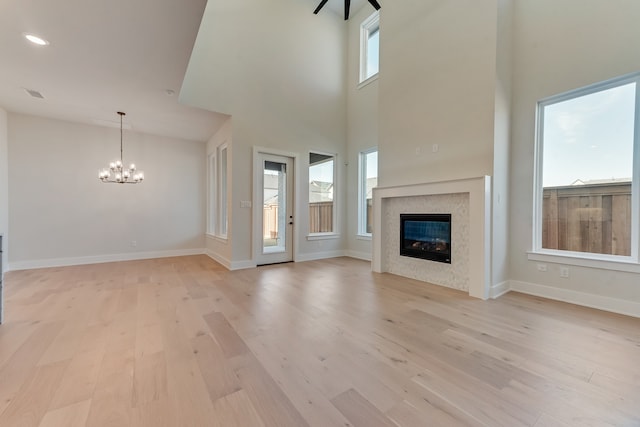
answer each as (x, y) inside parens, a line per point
(454, 275)
(468, 201)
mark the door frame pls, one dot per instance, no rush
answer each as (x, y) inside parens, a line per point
(256, 238)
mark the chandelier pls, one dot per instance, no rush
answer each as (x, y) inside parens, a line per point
(117, 173)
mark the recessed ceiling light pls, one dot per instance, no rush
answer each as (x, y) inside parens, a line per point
(36, 40)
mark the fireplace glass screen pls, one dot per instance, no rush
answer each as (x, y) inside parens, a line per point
(426, 236)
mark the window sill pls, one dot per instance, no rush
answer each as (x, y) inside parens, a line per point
(368, 81)
(222, 239)
(580, 259)
(363, 237)
(323, 236)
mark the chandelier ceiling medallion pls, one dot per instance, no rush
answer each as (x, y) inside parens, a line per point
(117, 173)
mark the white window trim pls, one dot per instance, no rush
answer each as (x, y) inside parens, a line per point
(368, 81)
(587, 259)
(335, 232)
(322, 236)
(366, 26)
(362, 188)
(219, 193)
(217, 238)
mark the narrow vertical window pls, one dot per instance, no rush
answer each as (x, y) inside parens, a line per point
(588, 170)
(370, 47)
(211, 194)
(222, 191)
(368, 173)
(321, 193)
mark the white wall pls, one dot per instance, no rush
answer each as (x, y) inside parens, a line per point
(4, 186)
(279, 71)
(445, 79)
(4, 199)
(501, 149)
(560, 46)
(60, 213)
(362, 130)
(4, 194)
(437, 81)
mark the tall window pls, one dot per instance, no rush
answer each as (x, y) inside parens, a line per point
(222, 191)
(321, 192)
(368, 172)
(588, 161)
(370, 47)
(211, 205)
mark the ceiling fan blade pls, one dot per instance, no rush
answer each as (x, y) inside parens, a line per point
(375, 4)
(347, 8)
(320, 6)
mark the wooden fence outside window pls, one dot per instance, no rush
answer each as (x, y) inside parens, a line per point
(592, 218)
(321, 217)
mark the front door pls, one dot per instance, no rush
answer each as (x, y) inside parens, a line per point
(275, 236)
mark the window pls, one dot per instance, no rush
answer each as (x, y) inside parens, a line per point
(222, 191)
(369, 47)
(368, 173)
(211, 205)
(321, 190)
(587, 171)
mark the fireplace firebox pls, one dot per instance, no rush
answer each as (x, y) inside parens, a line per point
(426, 236)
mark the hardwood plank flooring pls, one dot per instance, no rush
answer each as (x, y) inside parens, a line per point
(184, 342)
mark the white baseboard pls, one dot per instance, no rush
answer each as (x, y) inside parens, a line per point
(365, 256)
(229, 265)
(319, 255)
(615, 305)
(219, 259)
(99, 259)
(499, 289)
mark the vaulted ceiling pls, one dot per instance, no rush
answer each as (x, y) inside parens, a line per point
(103, 57)
(108, 56)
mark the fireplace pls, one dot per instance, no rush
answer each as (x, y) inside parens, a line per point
(426, 236)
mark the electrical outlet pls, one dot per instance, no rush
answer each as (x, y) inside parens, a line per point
(564, 272)
(134, 243)
(542, 267)
(435, 148)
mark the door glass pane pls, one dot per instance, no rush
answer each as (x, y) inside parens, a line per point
(274, 215)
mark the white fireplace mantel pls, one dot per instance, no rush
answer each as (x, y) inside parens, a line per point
(479, 191)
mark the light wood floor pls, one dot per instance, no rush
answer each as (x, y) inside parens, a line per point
(183, 342)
